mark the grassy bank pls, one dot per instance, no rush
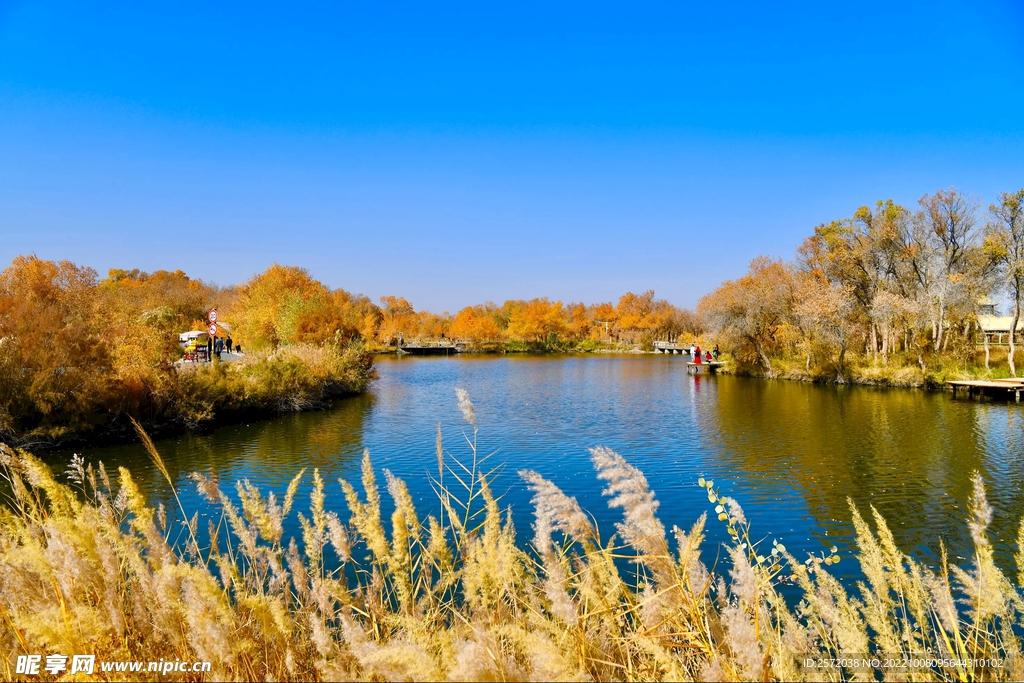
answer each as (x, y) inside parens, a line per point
(190, 396)
(92, 568)
(895, 370)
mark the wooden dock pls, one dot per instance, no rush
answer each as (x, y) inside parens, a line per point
(430, 348)
(1000, 388)
(705, 368)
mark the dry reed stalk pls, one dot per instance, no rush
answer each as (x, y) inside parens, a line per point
(457, 598)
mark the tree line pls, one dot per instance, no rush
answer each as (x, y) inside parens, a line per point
(889, 286)
(284, 304)
(77, 351)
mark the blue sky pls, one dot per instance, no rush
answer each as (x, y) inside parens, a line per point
(461, 153)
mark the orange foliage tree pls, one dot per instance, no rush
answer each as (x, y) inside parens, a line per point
(475, 323)
(284, 305)
(537, 320)
(53, 352)
(398, 320)
(143, 314)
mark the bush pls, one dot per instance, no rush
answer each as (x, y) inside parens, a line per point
(292, 378)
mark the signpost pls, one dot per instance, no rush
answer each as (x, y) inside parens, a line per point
(212, 317)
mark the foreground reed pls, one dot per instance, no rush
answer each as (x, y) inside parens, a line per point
(455, 597)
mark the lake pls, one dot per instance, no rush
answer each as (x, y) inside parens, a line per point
(791, 453)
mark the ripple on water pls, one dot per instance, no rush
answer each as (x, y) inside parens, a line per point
(791, 453)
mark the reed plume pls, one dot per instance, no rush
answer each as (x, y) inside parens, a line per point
(93, 567)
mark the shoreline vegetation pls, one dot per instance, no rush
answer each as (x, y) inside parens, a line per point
(889, 297)
(80, 357)
(91, 567)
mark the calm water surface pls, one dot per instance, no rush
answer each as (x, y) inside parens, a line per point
(791, 453)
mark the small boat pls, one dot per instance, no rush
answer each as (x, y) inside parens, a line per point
(705, 368)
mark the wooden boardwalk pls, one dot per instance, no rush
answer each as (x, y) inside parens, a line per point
(997, 387)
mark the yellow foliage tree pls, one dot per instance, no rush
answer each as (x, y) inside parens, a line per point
(473, 323)
(284, 305)
(537, 320)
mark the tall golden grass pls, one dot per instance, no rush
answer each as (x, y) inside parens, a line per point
(91, 568)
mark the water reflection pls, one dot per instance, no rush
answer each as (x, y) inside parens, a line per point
(791, 453)
(910, 454)
(267, 453)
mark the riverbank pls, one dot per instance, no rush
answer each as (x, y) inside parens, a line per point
(196, 397)
(900, 370)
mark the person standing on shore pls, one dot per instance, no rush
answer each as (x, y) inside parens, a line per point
(227, 343)
(209, 349)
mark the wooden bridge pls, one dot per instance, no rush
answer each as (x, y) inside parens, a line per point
(671, 347)
(996, 387)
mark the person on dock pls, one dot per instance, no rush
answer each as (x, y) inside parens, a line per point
(707, 356)
(696, 358)
(696, 353)
(716, 352)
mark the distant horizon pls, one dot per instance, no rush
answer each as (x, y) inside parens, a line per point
(464, 154)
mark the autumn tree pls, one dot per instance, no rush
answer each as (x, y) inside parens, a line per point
(284, 305)
(54, 357)
(144, 314)
(1005, 243)
(433, 325)
(537, 320)
(398, 319)
(578, 322)
(824, 313)
(606, 316)
(475, 323)
(950, 224)
(755, 308)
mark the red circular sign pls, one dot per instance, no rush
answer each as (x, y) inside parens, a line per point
(213, 315)
(213, 329)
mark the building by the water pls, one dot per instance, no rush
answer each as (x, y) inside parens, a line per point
(995, 329)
